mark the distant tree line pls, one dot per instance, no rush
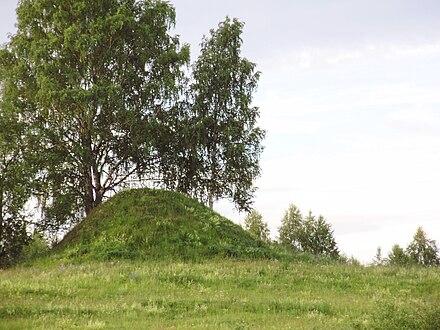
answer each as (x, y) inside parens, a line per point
(309, 234)
(420, 251)
(314, 235)
(96, 93)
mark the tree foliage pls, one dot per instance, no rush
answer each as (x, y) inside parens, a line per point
(423, 251)
(307, 234)
(291, 230)
(99, 93)
(223, 143)
(87, 77)
(397, 256)
(378, 260)
(420, 251)
(318, 236)
(254, 224)
(15, 187)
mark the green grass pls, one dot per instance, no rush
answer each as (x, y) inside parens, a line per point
(218, 294)
(145, 224)
(151, 259)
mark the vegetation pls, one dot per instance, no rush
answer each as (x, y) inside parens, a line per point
(157, 224)
(397, 256)
(75, 75)
(309, 234)
(290, 230)
(158, 259)
(218, 294)
(97, 95)
(15, 186)
(94, 94)
(421, 251)
(224, 83)
(254, 224)
(378, 260)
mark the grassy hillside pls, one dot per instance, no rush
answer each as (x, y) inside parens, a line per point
(218, 294)
(145, 224)
(153, 259)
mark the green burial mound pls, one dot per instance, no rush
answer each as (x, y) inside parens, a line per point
(158, 224)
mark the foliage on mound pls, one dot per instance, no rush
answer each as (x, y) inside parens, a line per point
(145, 223)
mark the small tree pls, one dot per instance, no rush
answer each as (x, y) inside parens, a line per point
(378, 260)
(422, 250)
(318, 236)
(291, 230)
(311, 234)
(254, 224)
(226, 123)
(397, 256)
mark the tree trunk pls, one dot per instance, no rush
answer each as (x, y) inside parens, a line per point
(210, 201)
(99, 193)
(88, 193)
(1, 210)
(89, 198)
(212, 182)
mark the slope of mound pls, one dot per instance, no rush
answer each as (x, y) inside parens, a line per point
(145, 223)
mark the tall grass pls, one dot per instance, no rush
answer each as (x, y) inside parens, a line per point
(153, 259)
(218, 294)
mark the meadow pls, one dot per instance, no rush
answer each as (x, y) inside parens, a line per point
(218, 294)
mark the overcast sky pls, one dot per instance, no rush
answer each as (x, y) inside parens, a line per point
(350, 98)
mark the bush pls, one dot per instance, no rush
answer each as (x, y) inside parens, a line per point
(398, 257)
(36, 247)
(13, 239)
(393, 314)
(349, 260)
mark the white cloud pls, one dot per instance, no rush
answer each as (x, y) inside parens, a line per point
(423, 120)
(315, 57)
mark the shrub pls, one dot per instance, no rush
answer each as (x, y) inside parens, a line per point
(36, 247)
(349, 260)
(13, 239)
(397, 256)
(392, 314)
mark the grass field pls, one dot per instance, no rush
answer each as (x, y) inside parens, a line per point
(218, 294)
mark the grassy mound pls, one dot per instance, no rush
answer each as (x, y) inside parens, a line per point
(145, 223)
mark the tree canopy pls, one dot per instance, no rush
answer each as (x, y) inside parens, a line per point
(255, 224)
(86, 78)
(100, 91)
(422, 250)
(224, 83)
(307, 234)
(16, 172)
(219, 146)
